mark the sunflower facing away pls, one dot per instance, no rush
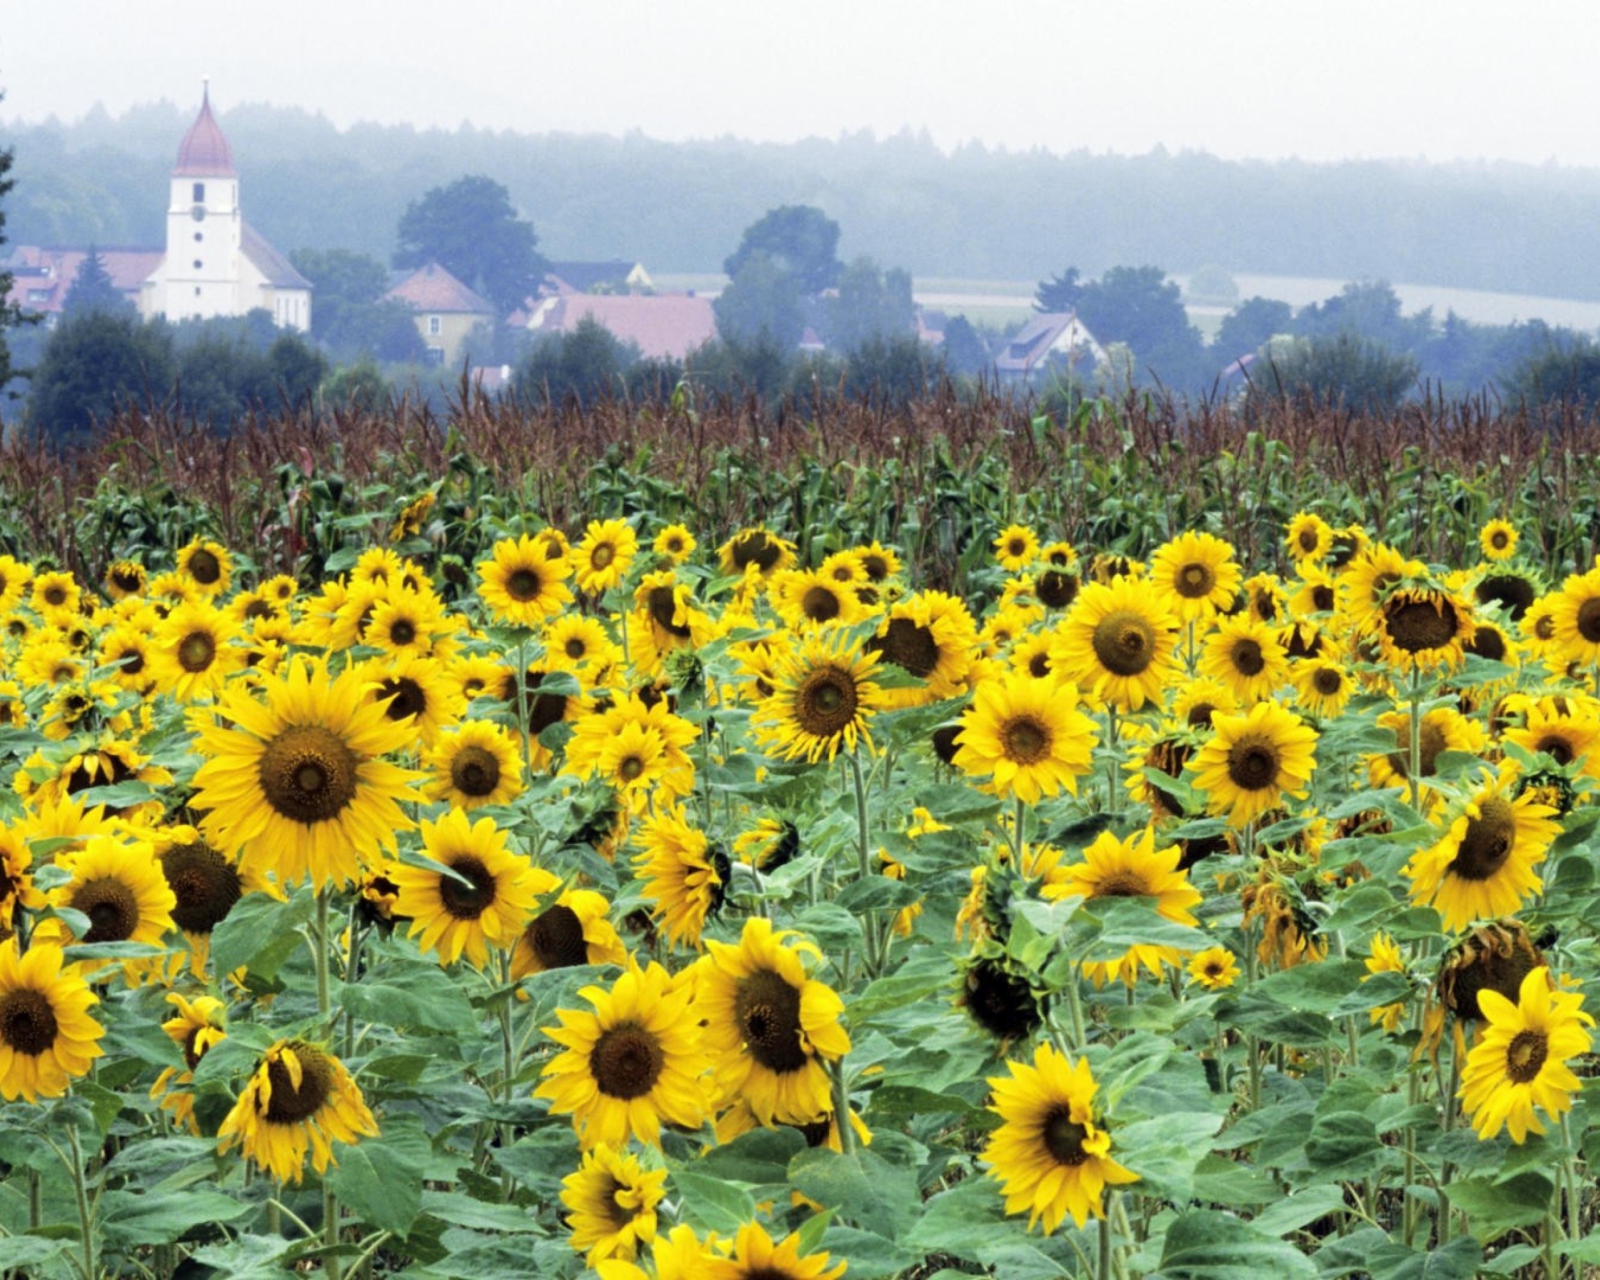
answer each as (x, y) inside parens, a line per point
(685, 877)
(611, 1199)
(296, 785)
(824, 700)
(46, 1034)
(198, 1026)
(1117, 643)
(1050, 1156)
(1253, 759)
(298, 1099)
(524, 581)
(1521, 1061)
(634, 1062)
(1027, 735)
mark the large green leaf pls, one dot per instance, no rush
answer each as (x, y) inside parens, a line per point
(1206, 1245)
(259, 933)
(1493, 1208)
(380, 1179)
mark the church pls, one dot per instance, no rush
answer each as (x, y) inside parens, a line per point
(216, 263)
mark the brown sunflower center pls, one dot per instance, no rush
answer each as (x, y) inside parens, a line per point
(1308, 539)
(1122, 884)
(471, 900)
(55, 596)
(1327, 681)
(27, 1021)
(1488, 842)
(1039, 664)
(402, 631)
(1511, 591)
(111, 906)
(523, 584)
(556, 938)
(820, 604)
(1063, 1138)
(1016, 548)
(1488, 643)
(1056, 588)
(602, 556)
(908, 645)
(1194, 581)
(204, 567)
(290, 1105)
(1024, 739)
(664, 610)
(1525, 1055)
(126, 580)
(575, 648)
(1418, 626)
(475, 771)
(1589, 620)
(1433, 742)
(825, 703)
(132, 662)
(308, 774)
(205, 884)
(1000, 1001)
(1247, 657)
(1199, 716)
(1124, 642)
(406, 697)
(626, 1061)
(1556, 747)
(1252, 764)
(768, 1012)
(1322, 598)
(192, 1053)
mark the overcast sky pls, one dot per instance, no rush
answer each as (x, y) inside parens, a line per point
(1263, 78)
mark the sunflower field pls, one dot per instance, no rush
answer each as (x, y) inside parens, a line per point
(972, 859)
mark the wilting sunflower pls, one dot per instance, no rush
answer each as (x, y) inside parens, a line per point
(485, 900)
(299, 1098)
(1495, 956)
(1322, 687)
(1309, 537)
(823, 701)
(603, 555)
(756, 547)
(1130, 868)
(612, 1201)
(1483, 865)
(1214, 968)
(1253, 759)
(684, 876)
(46, 1034)
(632, 1063)
(198, 1026)
(472, 765)
(1423, 628)
(1196, 575)
(1521, 1061)
(192, 652)
(771, 1030)
(1117, 643)
(1498, 539)
(297, 785)
(1015, 547)
(524, 581)
(1244, 654)
(1049, 1155)
(119, 886)
(1027, 736)
(756, 1256)
(574, 929)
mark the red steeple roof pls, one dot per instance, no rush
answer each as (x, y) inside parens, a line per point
(204, 151)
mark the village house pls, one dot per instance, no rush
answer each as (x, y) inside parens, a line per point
(447, 311)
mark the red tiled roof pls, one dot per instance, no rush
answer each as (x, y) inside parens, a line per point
(50, 272)
(432, 288)
(204, 151)
(662, 324)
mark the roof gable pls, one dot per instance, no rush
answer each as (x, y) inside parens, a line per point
(432, 288)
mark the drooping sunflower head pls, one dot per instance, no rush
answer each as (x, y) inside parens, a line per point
(756, 548)
(770, 844)
(1001, 1001)
(823, 700)
(205, 885)
(1507, 588)
(299, 1098)
(612, 1201)
(685, 876)
(1494, 956)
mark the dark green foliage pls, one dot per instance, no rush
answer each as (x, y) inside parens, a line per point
(471, 229)
(760, 307)
(1343, 372)
(584, 366)
(1568, 373)
(346, 313)
(890, 371)
(92, 290)
(872, 304)
(10, 315)
(965, 351)
(1138, 306)
(1248, 327)
(95, 365)
(799, 239)
(224, 375)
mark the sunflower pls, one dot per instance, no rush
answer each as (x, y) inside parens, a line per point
(1521, 1061)
(416, 693)
(1253, 759)
(126, 651)
(1498, 539)
(1491, 642)
(205, 885)
(612, 1200)
(665, 620)
(46, 1034)
(1309, 537)
(206, 564)
(1117, 642)
(378, 566)
(1244, 654)
(1423, 628)
(574, 643)
(1130, 868)
(604, 554)
(770, 844)
(930, 636)
(675, 542)
(824, 699)
(996, 997)
(1322, 687)
(56, 597)
(1049, 1155)
(198, 1026)
(756, 1256)
(1564, 729)
(298, 1098)
(1508, 589)
(1443, 729)
(632, 1063)
(524, 581)
(473, 764)
(297, 785)
(481, 900)
(638, 749)
(192, 652)
(14, 579)
(1386, 958)
(1538, 626)
(755, 550)
(804, 598)
(684, 876)
(119, 887)
(125, 578)
(1372, 573)
(1495, 956)
(408, 624)
(1214, 968)
(1015, 547)
(574, 929)
(1316, 592)
(1575, 618)
(1483, 864)
(1027, 737)
(771, 1030)
(1196, 575)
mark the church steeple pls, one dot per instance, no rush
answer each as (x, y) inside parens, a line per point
(204, 152)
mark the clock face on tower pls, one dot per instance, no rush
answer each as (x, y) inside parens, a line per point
(198, 213)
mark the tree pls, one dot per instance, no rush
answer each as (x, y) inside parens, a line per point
(472, 230)
(1567, 373)
(585, 366)
(890, 371)
(761, 306)
(1141, 307)
(92, 290)
(10, 314)
(1345, 371)
(799, 239)
(965, 351)
(1250, 326)
(94, 366)
(1059, 294)
(1212, 283)
(870, 304)
(1371, 309)
(384, 331)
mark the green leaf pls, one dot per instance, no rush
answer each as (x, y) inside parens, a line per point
(710, 1203)
(759, 1158)
(1296, 1211)
(461, 1210)
(862, 1186)
(1312, 988)
(1206, 1245)
(427, 999)
(958, 1221)
(869, 1254)
(380, 1179)
(129, 1219)
(1493, 1208)
(1107, 927)
(1458, 1260)
(259, 933)
(246, 1258)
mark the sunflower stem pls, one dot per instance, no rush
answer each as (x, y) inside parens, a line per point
(1103, 1261)
(1018, 831)
(1569, 1167)
(81, 1194)
(1414, 746)
(1449, 1101)
(841, 1109)
(319, 953)
(1114, 799)
(522, 703)
(875, 943)
(330, 1232)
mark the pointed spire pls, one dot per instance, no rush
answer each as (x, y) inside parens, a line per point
(204, 152)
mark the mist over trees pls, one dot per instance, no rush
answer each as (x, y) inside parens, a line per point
(974, 212)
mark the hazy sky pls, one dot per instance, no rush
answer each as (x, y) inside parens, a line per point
(1263, 78)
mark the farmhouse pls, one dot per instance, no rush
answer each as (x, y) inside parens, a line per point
(1054, 333)
(447, 311)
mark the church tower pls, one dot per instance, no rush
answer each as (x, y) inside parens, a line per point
(205, 231)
